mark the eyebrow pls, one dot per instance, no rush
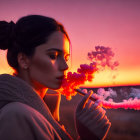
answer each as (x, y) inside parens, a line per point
(54, 49)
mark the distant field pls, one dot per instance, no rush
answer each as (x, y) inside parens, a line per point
(125, 123)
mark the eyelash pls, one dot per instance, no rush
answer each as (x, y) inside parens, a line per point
(53, 56)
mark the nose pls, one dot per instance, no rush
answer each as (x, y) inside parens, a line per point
(63, 65)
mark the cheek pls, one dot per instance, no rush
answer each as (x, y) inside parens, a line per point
(42, 68)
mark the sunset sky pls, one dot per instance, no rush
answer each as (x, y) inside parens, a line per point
(110, 23)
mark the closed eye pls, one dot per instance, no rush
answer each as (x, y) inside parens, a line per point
(53, 55)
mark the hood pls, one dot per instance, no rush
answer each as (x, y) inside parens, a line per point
(14, 89)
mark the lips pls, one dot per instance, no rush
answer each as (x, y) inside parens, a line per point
(60, 77)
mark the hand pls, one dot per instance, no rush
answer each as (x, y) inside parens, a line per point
(91, 121)
(52, 99)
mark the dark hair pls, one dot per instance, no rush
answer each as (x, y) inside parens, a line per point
(28, 32)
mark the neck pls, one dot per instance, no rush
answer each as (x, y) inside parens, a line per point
(39, 89)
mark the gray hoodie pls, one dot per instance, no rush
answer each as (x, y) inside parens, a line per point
(24, 115)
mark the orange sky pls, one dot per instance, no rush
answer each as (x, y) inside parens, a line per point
(89, 23)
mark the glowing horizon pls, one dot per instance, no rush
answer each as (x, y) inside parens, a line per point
(112, 24)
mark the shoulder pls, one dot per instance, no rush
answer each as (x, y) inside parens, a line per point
(21, 119)
(18, 109)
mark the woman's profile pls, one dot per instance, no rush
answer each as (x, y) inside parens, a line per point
(38, 48)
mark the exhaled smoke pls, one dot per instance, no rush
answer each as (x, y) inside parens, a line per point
(134, 93)
(103, 56)
(107, 99)
(100, 58)
(106, 94)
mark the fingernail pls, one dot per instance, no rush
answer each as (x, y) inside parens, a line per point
(91, 91)
(84, 90)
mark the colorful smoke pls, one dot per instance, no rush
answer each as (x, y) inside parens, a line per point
(101, 58)
(107, 99)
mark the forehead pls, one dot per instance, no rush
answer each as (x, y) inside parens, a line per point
(58, 41)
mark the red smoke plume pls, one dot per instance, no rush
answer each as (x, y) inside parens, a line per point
(100, 58)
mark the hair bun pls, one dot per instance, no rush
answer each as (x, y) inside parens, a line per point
(6, 34)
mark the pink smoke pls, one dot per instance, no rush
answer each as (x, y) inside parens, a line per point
(74, 80)
(130, 103)
(103, 56)
(127, 104)
(100, 58)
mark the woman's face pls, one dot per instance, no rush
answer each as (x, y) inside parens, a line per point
(49, 62)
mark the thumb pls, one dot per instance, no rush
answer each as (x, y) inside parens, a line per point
(83, 102)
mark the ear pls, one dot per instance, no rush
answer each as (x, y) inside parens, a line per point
(23, 61)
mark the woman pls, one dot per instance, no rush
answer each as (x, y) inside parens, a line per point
(38, 50)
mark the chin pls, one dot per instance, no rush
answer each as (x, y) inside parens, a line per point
(55, 87)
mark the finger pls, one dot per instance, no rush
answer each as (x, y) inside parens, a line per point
(101, 128)
(93, 117)
(101, 114)
(108, 125)
(95, 96)
(102, 122)
(87, 100)
(84, 118)
(91, 109)
(83, 102)
(98, 117)
(94, 106)
(88, 104)
(85, 91)
(106, 129)
(89, 117)
(107, 120)
(102, 133)
(86, 110)
(101, 110)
